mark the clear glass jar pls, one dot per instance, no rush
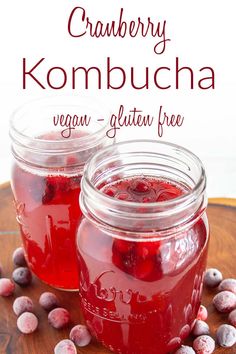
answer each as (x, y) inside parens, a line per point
(142, 263)
(46, 177)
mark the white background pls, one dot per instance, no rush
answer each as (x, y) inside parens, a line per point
(202, 34)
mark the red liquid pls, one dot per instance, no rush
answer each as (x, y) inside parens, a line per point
(48, 214)
(141, 297)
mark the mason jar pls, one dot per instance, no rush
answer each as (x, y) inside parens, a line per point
(51, 142)
(142, 245)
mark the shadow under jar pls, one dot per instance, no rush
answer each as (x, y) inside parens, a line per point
(142, 245)
(46, 176)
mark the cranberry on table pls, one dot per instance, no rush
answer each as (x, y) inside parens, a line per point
(22, 304)
(22, 276)
(27, 323)
(226, 336)
(7, 287)
(65, 346)
(228, 284)
(212, 277)
(200, 328)
(18, 257)
(48, 301)
(202, 313)
(80, 335)
(185, 350)
(232, 318)
(225, 301)
(59, 318)
(204, 345)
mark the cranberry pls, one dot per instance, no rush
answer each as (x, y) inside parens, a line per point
(185, 350)
(202, 313)
(226, 336)
(111, 192)
(48, 301)
(232, 318)
(59, 318)
(22, 276)
(7, 287)
(80, 335)
(204, 345)
(27, 322)
(200, 328)
(49, 193)
(140, 186)
(123, 196)
(23, 304)
(228, 284)
(65, 346)
(123, 246)
(143, 268)
(212, 277)
(147, 249)
(18, 257)
(225, 301)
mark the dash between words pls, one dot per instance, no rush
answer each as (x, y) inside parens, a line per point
(134, 117)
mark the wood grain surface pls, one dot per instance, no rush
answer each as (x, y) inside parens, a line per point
(222, 255)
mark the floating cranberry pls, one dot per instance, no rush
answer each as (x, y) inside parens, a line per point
(147, 249)
(65, 346)
(140, 186)
(225, 301)
(22, 276)
(80, 335)
(228, 284)
(7, 287)
(232, 318)
(143, 268)
(212, 277)
(123, 196)
(204, 345)
(23, 304)
(123, 246)
(226, 336)
(111, 192)
(49, 193)
(48, 301)
(27, 323)
(59, 318)
(202, 313)
(18, 257)
(200, 328)
(185, 350)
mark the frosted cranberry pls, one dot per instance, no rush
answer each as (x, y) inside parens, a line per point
(185, 350)
(80, 335)
(59, 318)
(226, 336)
(22, 276)
(200, 328)
(18, 257)
(65, 346)
(27, 322)
(7, 287)
(232, 318)
(48, 301)
(202, 313)
(228, 284)
(204, 345)
(22, 304)
(212, 277)
(140, 186)
(225, 301)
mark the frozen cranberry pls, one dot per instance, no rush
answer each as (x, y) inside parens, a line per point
(59, 318)
(80, 335)
(140, 186)
(226, 335)
(200, 328)
(232, 318)
(225, 301)
(212, 277)
(65, 346)
(27, 322)
(204, 345)
(228, 284)
(7, 287)
(18, 257)
(185, 350)
(48, 301)
(22, 276)
(23, 304)
(202, 313)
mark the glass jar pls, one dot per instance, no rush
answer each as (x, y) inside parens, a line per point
(49, 158)
(142, 263)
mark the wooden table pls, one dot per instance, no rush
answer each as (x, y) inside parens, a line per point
(222, 255)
